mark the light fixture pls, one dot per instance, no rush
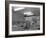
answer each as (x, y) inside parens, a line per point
(28, 13)
(17, 9)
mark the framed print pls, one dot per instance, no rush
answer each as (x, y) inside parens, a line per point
(24, 18)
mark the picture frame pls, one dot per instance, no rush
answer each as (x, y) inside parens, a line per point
(10, 8)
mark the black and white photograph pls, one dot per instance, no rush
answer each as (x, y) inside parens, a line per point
(25, 18)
